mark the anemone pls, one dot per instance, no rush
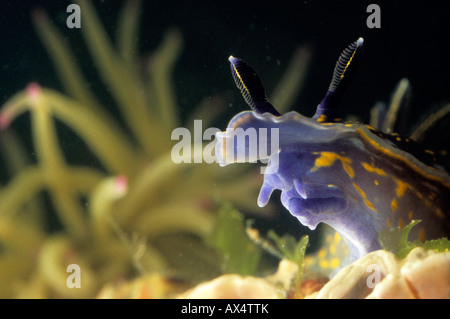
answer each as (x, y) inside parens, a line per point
(133, 211)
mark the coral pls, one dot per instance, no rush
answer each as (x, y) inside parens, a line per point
(233, 287)
(132, 211)
(422, 274)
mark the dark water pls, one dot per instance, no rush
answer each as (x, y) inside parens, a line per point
(413, 42)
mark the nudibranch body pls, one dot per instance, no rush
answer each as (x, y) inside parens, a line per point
(352, 177)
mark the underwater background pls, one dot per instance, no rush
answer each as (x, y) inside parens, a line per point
(178, 53)
(412, 42)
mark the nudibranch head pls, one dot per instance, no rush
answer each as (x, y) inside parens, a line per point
(350, 176)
